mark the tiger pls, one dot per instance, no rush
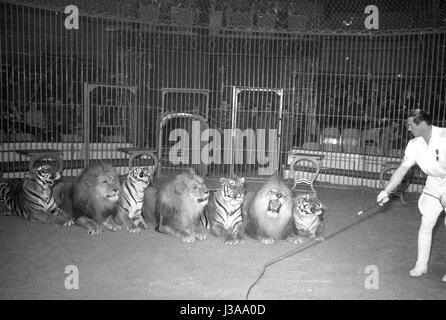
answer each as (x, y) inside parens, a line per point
(32, 197)
(131, 199)
(223, 213)
(307, 211)
(5, 210)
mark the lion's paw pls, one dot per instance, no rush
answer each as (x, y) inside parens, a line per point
(111, 225)
(268, 240)
(95, 230)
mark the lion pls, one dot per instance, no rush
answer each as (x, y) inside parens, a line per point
(177, 205)
(92, 198)
(269, 213)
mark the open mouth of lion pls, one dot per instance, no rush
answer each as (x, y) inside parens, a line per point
(274, 205)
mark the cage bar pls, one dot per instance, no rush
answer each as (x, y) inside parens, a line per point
(108, 85)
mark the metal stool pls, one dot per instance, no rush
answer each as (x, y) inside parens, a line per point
(41, 154)
(315, 160)
(136, 152)
(385, 170)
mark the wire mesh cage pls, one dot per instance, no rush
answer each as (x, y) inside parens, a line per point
(104, 87)
(278, 15)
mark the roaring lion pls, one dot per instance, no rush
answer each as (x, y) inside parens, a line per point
(269, 213)
(92, 199)
(177, 206)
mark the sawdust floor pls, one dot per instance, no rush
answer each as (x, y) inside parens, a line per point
(156, 266)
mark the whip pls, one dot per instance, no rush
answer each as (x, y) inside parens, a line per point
(355, 220)
(369, 208)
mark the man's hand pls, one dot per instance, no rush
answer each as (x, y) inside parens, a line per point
(382, 198)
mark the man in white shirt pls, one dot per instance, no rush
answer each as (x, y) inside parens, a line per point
(428, 150)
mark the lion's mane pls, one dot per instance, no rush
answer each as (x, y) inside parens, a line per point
(95, 193)
(178, 203)
(259, 222)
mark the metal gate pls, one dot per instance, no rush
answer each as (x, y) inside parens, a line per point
(256, 130)
(110, 122)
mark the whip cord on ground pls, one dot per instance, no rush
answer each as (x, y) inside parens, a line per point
(349, 224)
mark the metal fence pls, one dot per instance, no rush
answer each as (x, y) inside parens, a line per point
(114, 84)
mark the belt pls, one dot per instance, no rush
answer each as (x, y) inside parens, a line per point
(438, 177)
(431, 195)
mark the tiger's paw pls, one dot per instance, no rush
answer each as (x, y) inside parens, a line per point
(235, 241)
(140, 222)
(134, 230)
(188, 238)
(320, 239)
(68, 223)
(110, 224)
(5, 213)
(143, 224)
(268, 240)
(200, 236)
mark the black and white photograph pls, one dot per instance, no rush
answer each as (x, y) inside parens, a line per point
(222, 154)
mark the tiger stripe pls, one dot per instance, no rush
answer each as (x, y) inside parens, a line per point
(223, 213)
(5, 210)
(307, 215)
(32, 196)
(227, 218)
(132, 197)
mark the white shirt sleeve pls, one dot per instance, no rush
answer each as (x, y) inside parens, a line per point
(410, 155)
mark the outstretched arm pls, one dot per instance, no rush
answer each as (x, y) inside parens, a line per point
(395, 180)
